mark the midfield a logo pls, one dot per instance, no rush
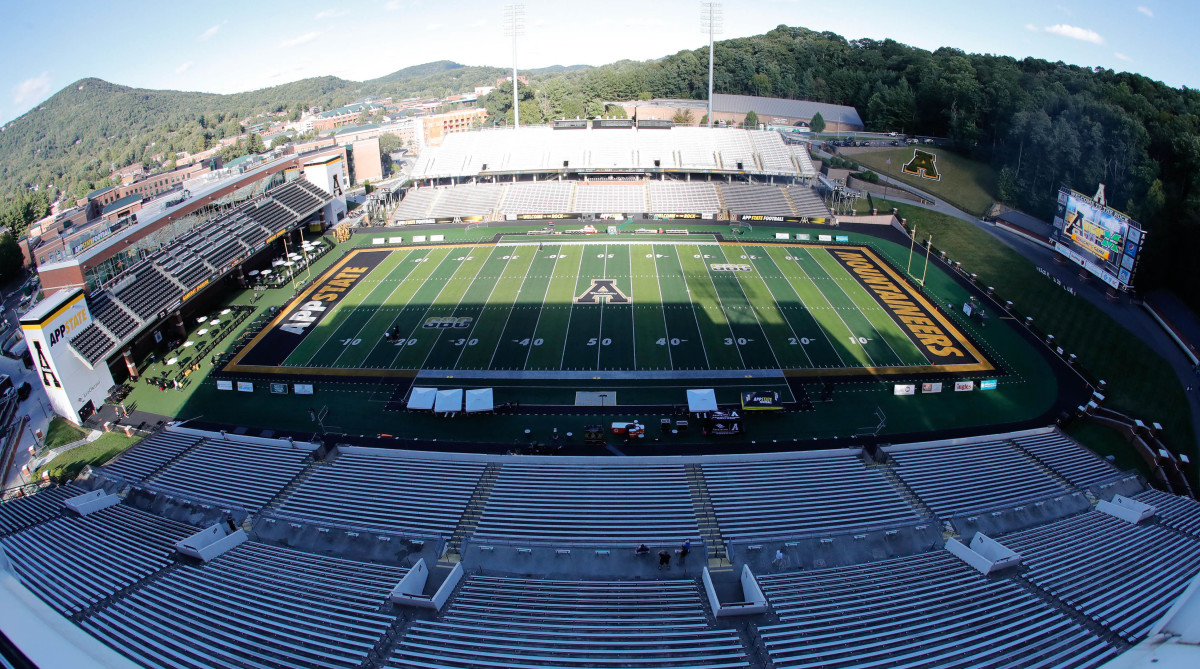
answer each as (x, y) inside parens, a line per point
(603, 289)
(924, 165)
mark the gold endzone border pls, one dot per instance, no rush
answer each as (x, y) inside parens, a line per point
(981, 364)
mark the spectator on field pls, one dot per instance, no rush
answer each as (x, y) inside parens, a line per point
(685, 549)
(779, 560)
(664, 560)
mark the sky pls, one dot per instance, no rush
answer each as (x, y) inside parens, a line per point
(226, 47)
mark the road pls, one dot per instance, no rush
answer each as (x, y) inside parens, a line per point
(37, 407)
(1130, 315)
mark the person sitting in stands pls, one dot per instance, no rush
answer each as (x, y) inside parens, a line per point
(642, 550)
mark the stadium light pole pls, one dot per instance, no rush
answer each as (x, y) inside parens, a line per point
(514, 27)
(710, 22)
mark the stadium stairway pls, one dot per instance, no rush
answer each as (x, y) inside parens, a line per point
(1049, 471)
(906, 492)
(721, 200)
(791, 203)
(646, 192)
(706, 519)
(471, 514)
(310, 468)
(166, 465)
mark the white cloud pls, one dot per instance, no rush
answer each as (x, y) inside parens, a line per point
(1075, 32)
(1146, 10)
(1030, 26)
(208, 34)
(330, 14)
(433, 26)
(479, 24)
(1121, 56)
(184, 67)
(34, 89)
(392, 5)
(299, 39)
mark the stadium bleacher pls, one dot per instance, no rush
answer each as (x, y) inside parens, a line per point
(150, 454)
(785, 498)
(610, 197)
(1179, 513)
(22, 512)
(394, 494)
(630, 503)
(114, 572)
(1121, 575)
(416, 203)
(218, 470)
(958, 478)
(807, 202)
(257, 605)
(114, 317)
(772, 152)
(92, 343)
(546, 197)
(509, 622)
(468, 200)
(1073, 462)
(677, 196)
(928, 610)
(755, 199)
(107, 550)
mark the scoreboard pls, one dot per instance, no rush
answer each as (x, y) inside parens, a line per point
(1102, 240)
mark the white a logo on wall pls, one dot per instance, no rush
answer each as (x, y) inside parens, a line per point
(603, 289)
(49, 379)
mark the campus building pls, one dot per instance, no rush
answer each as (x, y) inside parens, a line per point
(733, 109)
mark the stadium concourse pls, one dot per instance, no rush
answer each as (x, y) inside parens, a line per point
(201, 549)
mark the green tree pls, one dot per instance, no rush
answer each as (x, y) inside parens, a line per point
(751, 119)
(255, 144)
(817, 124)
(1006, 185)
(280, 140)
(682, 117)
(11, 260)
(761, 84)
(388, 143)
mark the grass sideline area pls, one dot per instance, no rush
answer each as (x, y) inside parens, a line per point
(1140, 382)
(965, 183)
(1106, 441)
(68, 465)
(61, 432)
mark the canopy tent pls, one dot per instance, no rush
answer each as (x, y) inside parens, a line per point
(701, 400)
(422, 398)
(479, 400)
(448, 401)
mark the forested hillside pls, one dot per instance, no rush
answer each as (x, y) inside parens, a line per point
(1040, 124)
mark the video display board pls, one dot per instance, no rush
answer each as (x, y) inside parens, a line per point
(1098, 238)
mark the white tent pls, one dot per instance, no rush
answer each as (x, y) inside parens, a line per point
(421, 398)
(480, 400)
(701, 400)
(449, 400)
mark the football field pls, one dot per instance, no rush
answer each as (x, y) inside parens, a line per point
(610, 309)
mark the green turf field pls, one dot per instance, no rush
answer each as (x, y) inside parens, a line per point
(537, 308)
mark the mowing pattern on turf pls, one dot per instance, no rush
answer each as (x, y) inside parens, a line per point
(610, 307)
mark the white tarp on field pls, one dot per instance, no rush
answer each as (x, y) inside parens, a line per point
(448, 400)
(480, 400)
(701, 400)
(422, 398)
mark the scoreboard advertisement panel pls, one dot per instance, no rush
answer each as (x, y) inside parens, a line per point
(1098, 238)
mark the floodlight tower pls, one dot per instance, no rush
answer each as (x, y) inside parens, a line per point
(710, 22)
(514, 27)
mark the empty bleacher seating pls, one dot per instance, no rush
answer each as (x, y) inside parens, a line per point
(508, 622)
(147, 294)
(110, 314)
(258, 605)
(736, 151)
(74, 562)
(1121, 575)
(546, 197)
(416, 203)
(781, 498)
(22, 512)
(697, 148)
(219, 470)
(756, 199)
(927, 610)
(800, 153)
(679, 196)
(1070, 460)
(385, 493)
(957, 478)
(808, 203)
(92, 344)
(772, 152)
(589, 503)
(1180, 513)
(611, 197)
(150, 454)
(470, 200)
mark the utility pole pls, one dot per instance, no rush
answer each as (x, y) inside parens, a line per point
(514, 26)
(710, 22)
